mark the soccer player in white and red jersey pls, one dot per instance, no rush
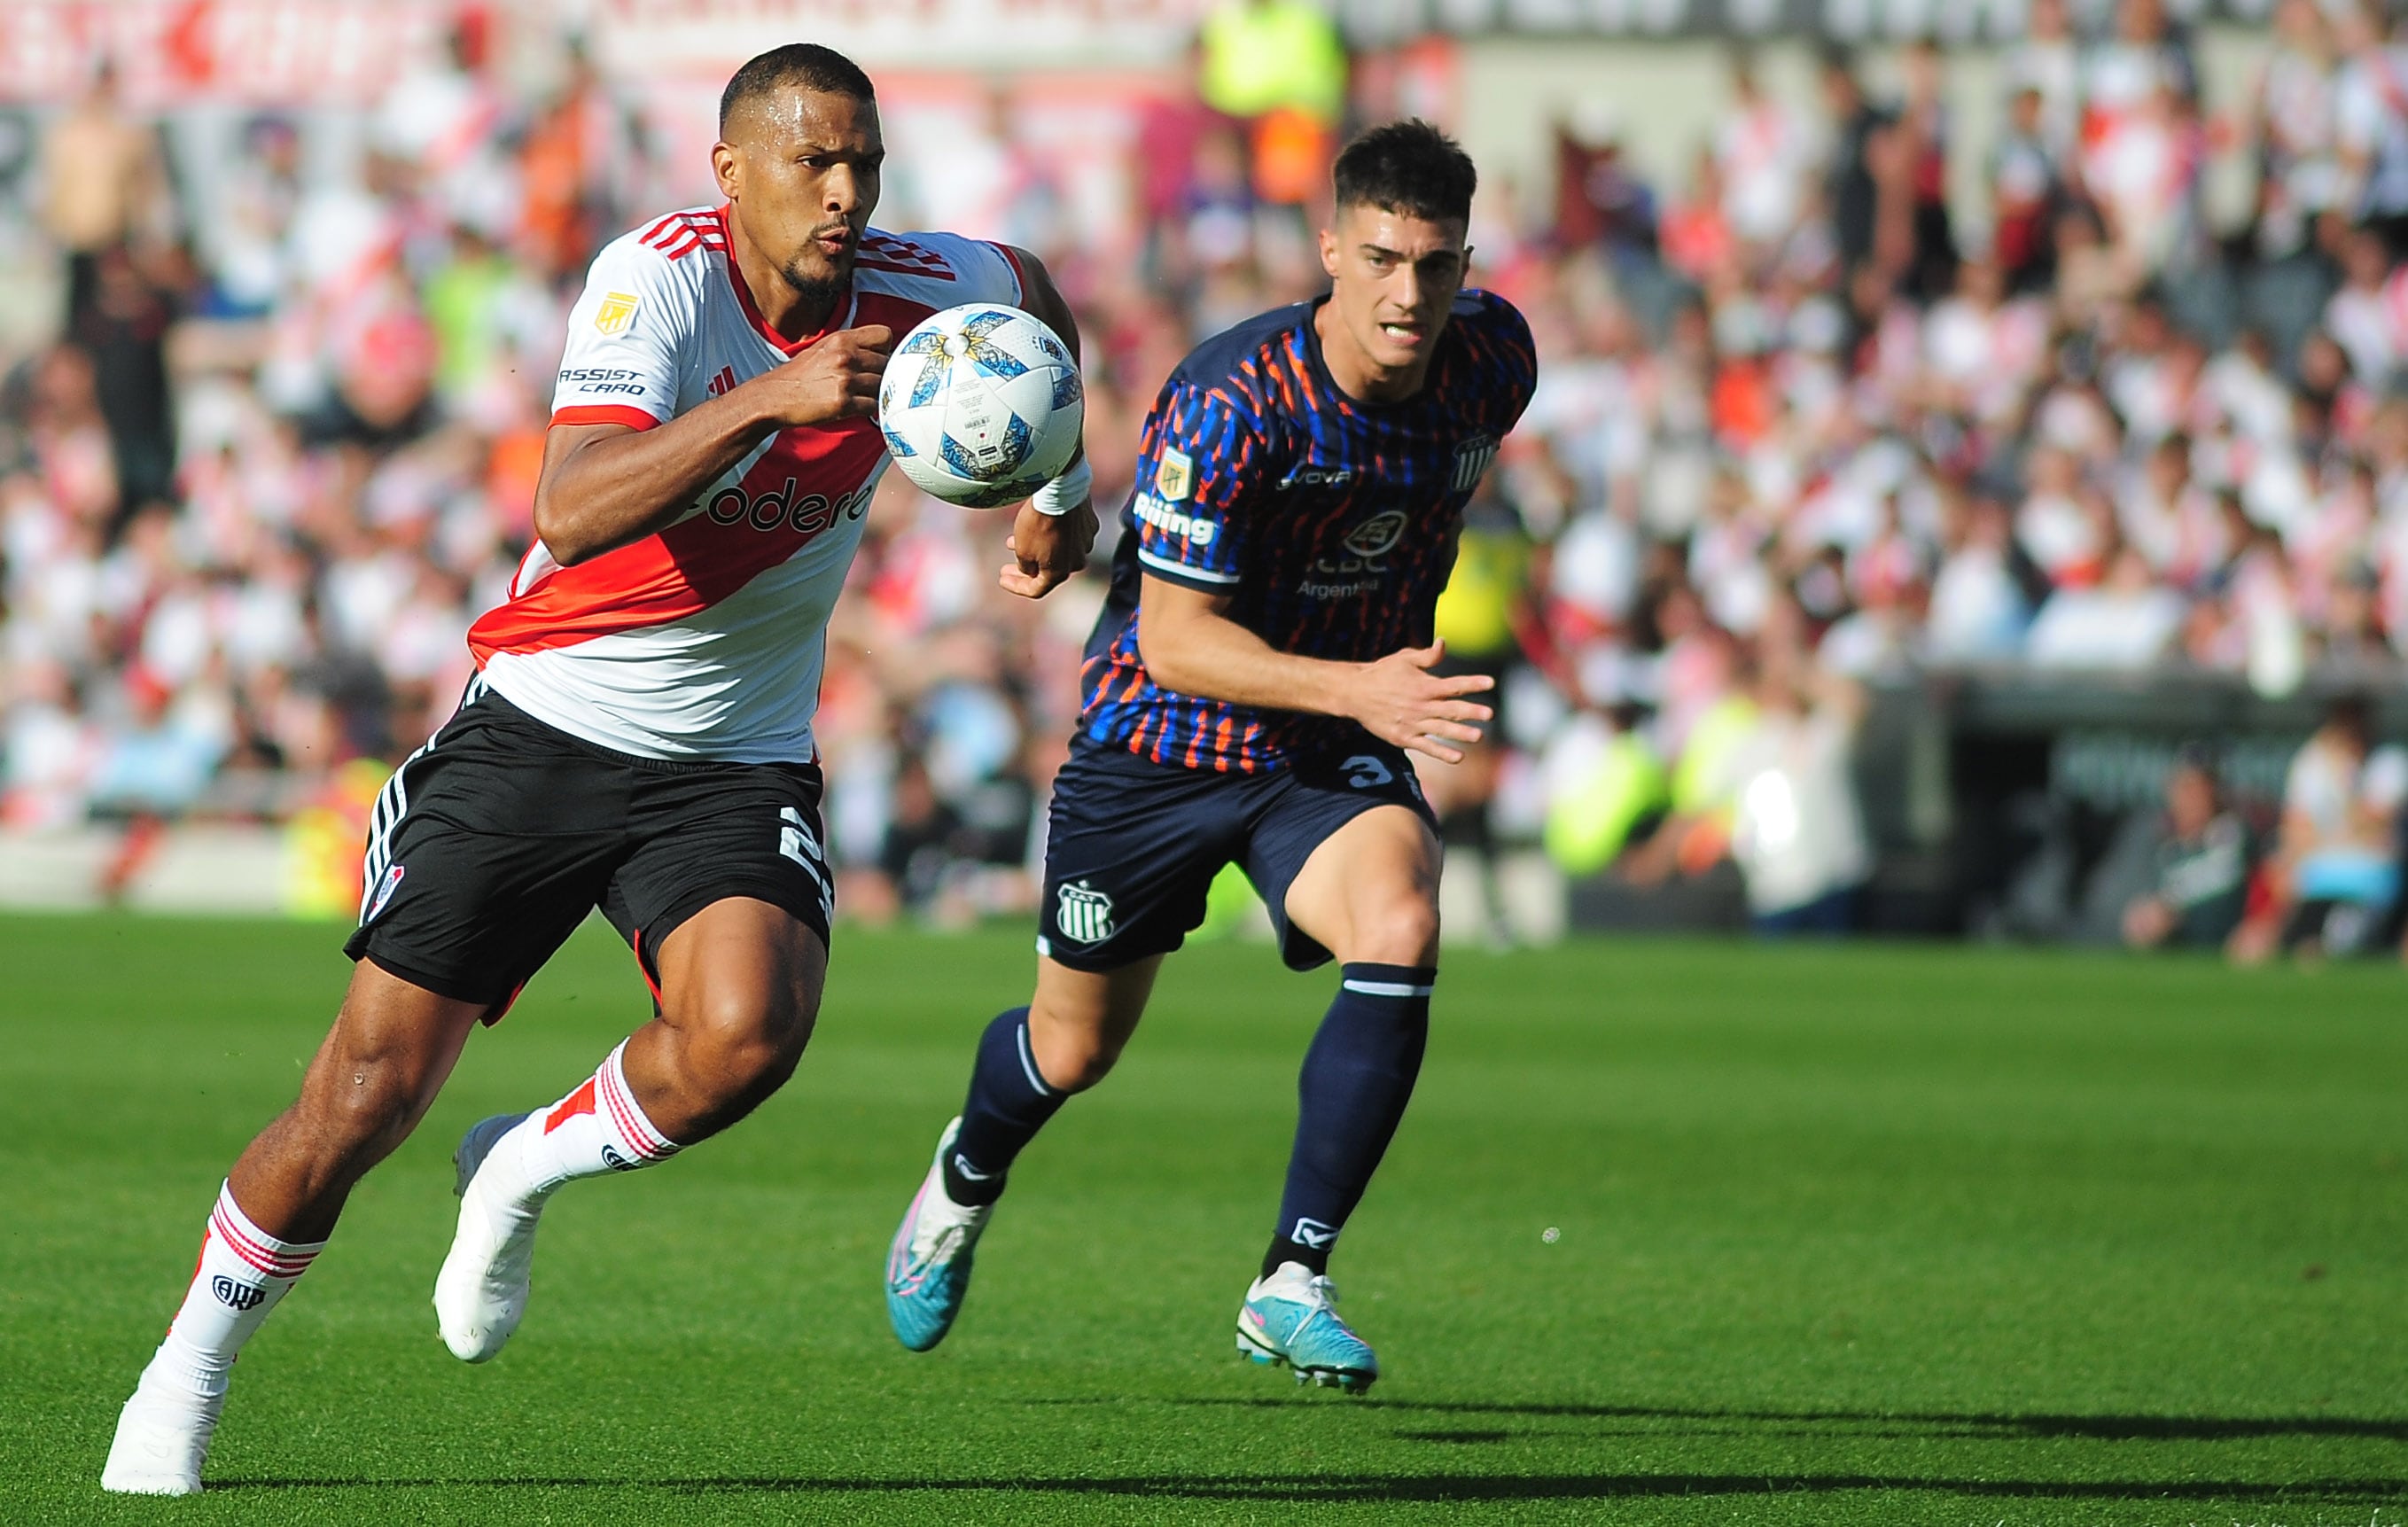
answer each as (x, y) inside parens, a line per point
(638, 736)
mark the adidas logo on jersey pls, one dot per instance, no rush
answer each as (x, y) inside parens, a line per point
(806, 515)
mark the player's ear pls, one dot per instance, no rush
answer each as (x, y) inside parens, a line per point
(1329, 253)
(726, 167)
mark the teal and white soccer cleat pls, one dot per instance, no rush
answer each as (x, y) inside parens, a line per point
(482, 1292)
(1291, 1316)
(929, 1266)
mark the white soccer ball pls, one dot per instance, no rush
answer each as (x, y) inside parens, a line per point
(981, 405)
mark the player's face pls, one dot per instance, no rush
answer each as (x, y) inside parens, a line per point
(1393, 278)
(801, 167)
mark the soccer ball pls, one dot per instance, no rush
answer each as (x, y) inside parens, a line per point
(982, 406)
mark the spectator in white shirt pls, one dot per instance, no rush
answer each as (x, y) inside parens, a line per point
(2334, 877)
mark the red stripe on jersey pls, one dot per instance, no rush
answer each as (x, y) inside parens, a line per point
(901, 314)
(603, 413)
(680, 234)
(1019, 276)
(698, 562)
(932, 273)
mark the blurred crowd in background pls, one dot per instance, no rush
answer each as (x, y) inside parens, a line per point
(1803, 429)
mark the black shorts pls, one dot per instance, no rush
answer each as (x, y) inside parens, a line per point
(1132, 846)
(494, 840)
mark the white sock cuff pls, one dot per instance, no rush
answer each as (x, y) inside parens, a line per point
(626, 1115)
(255, 1248)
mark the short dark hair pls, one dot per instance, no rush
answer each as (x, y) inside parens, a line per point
(797, 64)
(1407, 166)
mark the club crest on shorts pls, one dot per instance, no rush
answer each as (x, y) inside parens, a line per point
(1083, 914)
(1471, 459)
(1176, 477)
(615, 312)
(385, 894)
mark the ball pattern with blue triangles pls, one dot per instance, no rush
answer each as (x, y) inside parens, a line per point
(981, 405)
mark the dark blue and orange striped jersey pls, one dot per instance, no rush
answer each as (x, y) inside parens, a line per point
(1330, 523)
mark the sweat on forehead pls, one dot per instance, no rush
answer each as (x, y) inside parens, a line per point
(779, 79)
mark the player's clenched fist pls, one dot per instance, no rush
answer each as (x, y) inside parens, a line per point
(1399, 701)
(836, 378)
(1047, 550)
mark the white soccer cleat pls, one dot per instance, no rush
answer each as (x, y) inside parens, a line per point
(482, 1292)
(162, 1435)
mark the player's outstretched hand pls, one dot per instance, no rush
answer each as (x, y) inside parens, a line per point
(1046, 548)
(836, 378)
(1400, 702)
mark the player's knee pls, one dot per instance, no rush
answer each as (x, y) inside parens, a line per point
(741, 1042)
(1086, 1062)
(1075, 1054)
(1402, 931)
(365, 1109)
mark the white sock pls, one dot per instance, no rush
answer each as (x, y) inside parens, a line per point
(597, 1128)
(243, 1271)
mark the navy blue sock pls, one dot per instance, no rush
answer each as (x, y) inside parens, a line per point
(1009, 1103)
(1357, 1077)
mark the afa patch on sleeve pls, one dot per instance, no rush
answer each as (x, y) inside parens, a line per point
(1176, 478)
(617, 310)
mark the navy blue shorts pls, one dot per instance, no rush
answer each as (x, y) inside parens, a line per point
(1132, 846)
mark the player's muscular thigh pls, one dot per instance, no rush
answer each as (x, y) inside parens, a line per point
(740, 985)
(1369, 893)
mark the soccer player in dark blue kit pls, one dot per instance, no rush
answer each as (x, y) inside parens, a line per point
(1254, 684)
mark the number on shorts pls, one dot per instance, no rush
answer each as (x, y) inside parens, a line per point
(1364, 772)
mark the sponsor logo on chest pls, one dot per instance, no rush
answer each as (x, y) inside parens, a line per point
(779, 508)
(1362, 562)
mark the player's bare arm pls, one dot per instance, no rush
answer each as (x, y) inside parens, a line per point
(605, 486)
(1047, 549)
(1192, 646)
(800, 170)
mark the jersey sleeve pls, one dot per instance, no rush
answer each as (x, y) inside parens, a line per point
(628, 339)
(1514, 356)
(1201, 464)
(953, 269)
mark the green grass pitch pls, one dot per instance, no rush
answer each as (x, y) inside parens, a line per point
(1895, 1235)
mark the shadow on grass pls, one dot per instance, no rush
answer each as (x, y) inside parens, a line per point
(2094, 1428)
(1346, 1488)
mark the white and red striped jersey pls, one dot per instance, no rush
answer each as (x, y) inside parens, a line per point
(705, 641)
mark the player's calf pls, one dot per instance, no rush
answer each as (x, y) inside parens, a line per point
(740, 986)
(1359, 1075)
